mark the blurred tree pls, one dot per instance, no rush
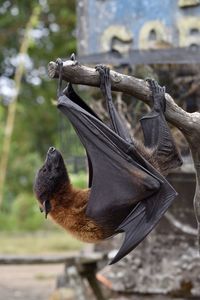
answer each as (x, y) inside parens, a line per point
(36, 123)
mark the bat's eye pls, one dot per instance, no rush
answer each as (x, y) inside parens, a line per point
(44, 170)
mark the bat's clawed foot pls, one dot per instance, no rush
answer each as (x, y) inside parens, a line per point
(158, 95)
(102, 68)
(104, 73)
(59, 61)
(155, 87)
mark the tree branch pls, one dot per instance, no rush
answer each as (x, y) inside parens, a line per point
(78, 74)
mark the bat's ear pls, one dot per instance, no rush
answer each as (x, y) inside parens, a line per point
(47, 207)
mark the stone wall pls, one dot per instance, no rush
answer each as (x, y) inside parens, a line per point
(167, 261)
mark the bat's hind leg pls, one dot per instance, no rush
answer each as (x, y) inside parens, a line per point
(105, 85)
(157, 135)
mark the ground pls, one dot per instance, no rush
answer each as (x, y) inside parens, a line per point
(37, 282)
(28, 282)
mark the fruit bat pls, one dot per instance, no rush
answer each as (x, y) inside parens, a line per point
(127, 191)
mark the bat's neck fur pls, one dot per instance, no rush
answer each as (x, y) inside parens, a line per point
(159, 162)
(68, 209)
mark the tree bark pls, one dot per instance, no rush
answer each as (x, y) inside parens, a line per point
(78, 74)
(188, 123)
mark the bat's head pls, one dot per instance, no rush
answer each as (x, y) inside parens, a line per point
(49, 179)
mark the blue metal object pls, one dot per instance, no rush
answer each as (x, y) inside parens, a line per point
(137, 24)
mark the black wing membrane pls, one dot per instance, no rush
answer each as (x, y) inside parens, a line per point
(127, 193)
(162, 139)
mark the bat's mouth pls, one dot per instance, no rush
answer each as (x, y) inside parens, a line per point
(46, 208)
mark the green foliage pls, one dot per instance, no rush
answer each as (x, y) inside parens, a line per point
(23, 213)
(38, 124)
(37, 242)
(79, 180)
(37, 121)
(6, 221)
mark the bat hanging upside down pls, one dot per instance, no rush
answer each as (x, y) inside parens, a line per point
(127, 191)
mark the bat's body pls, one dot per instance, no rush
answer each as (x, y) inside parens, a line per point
(68, 208)
(127, 191)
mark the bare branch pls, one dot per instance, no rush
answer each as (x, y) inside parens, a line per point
(78, 74)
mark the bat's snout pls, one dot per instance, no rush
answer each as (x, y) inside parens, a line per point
(53, 158)
(51, 150)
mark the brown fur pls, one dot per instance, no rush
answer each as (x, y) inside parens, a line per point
(68, 208)
(149, 154)
(157, 159)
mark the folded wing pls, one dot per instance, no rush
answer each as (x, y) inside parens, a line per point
(127, 193)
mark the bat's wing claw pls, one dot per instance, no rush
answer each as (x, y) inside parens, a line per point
(73, 58)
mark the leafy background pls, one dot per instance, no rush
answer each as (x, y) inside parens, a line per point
(37, 122)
